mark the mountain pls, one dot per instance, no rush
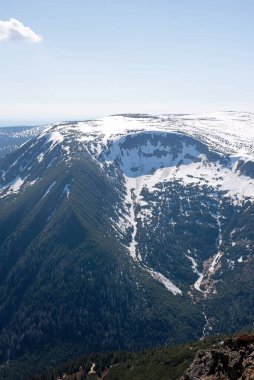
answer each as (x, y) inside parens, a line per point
(12, 138)
(126, 232)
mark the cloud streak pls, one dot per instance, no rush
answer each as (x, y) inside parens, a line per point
(15, 30)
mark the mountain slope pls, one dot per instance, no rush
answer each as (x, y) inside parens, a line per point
(217, 358)
(125, 232)
(65, 277)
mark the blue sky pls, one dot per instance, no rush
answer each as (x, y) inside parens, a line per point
(113, 56)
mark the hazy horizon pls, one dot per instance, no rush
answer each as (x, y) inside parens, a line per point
(52, 121)
(64, 61)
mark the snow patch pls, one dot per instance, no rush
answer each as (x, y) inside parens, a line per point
(165, 281)
(40, 157)
(133, 190)
(54, 138)
(49, 188)
(13, 187)
(66, 191)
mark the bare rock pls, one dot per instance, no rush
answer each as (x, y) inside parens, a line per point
(234, 360)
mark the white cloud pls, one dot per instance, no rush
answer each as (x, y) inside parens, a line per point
(14, 29)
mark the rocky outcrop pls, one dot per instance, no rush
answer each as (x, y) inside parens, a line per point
(232, 360)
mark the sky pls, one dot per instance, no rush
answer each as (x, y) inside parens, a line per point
(76, 59)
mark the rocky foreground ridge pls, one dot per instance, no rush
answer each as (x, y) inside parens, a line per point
(232, 361)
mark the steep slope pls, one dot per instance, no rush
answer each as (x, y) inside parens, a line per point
(127, 232)
(66, 277)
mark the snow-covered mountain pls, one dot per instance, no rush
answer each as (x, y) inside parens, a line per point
(171, 195)
(212, 153)
(12, 138)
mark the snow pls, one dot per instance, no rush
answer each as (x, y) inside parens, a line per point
(51, 215)
(142, 168)
(198, 283)
(189, 167)
(215, 262)
(233, 185)
(206, 327)
(131, 198)
(165, 281)
(49, 188)
(219, 254)
(231, 264)
(66, 190)
(31, 183)
(133, 224)
(54, 138)
(92, 369)
(194, 264)
(194, 267)
(229, 134)
(40, 157)
(13, 187)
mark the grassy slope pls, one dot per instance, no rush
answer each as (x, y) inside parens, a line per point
(160, 363)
